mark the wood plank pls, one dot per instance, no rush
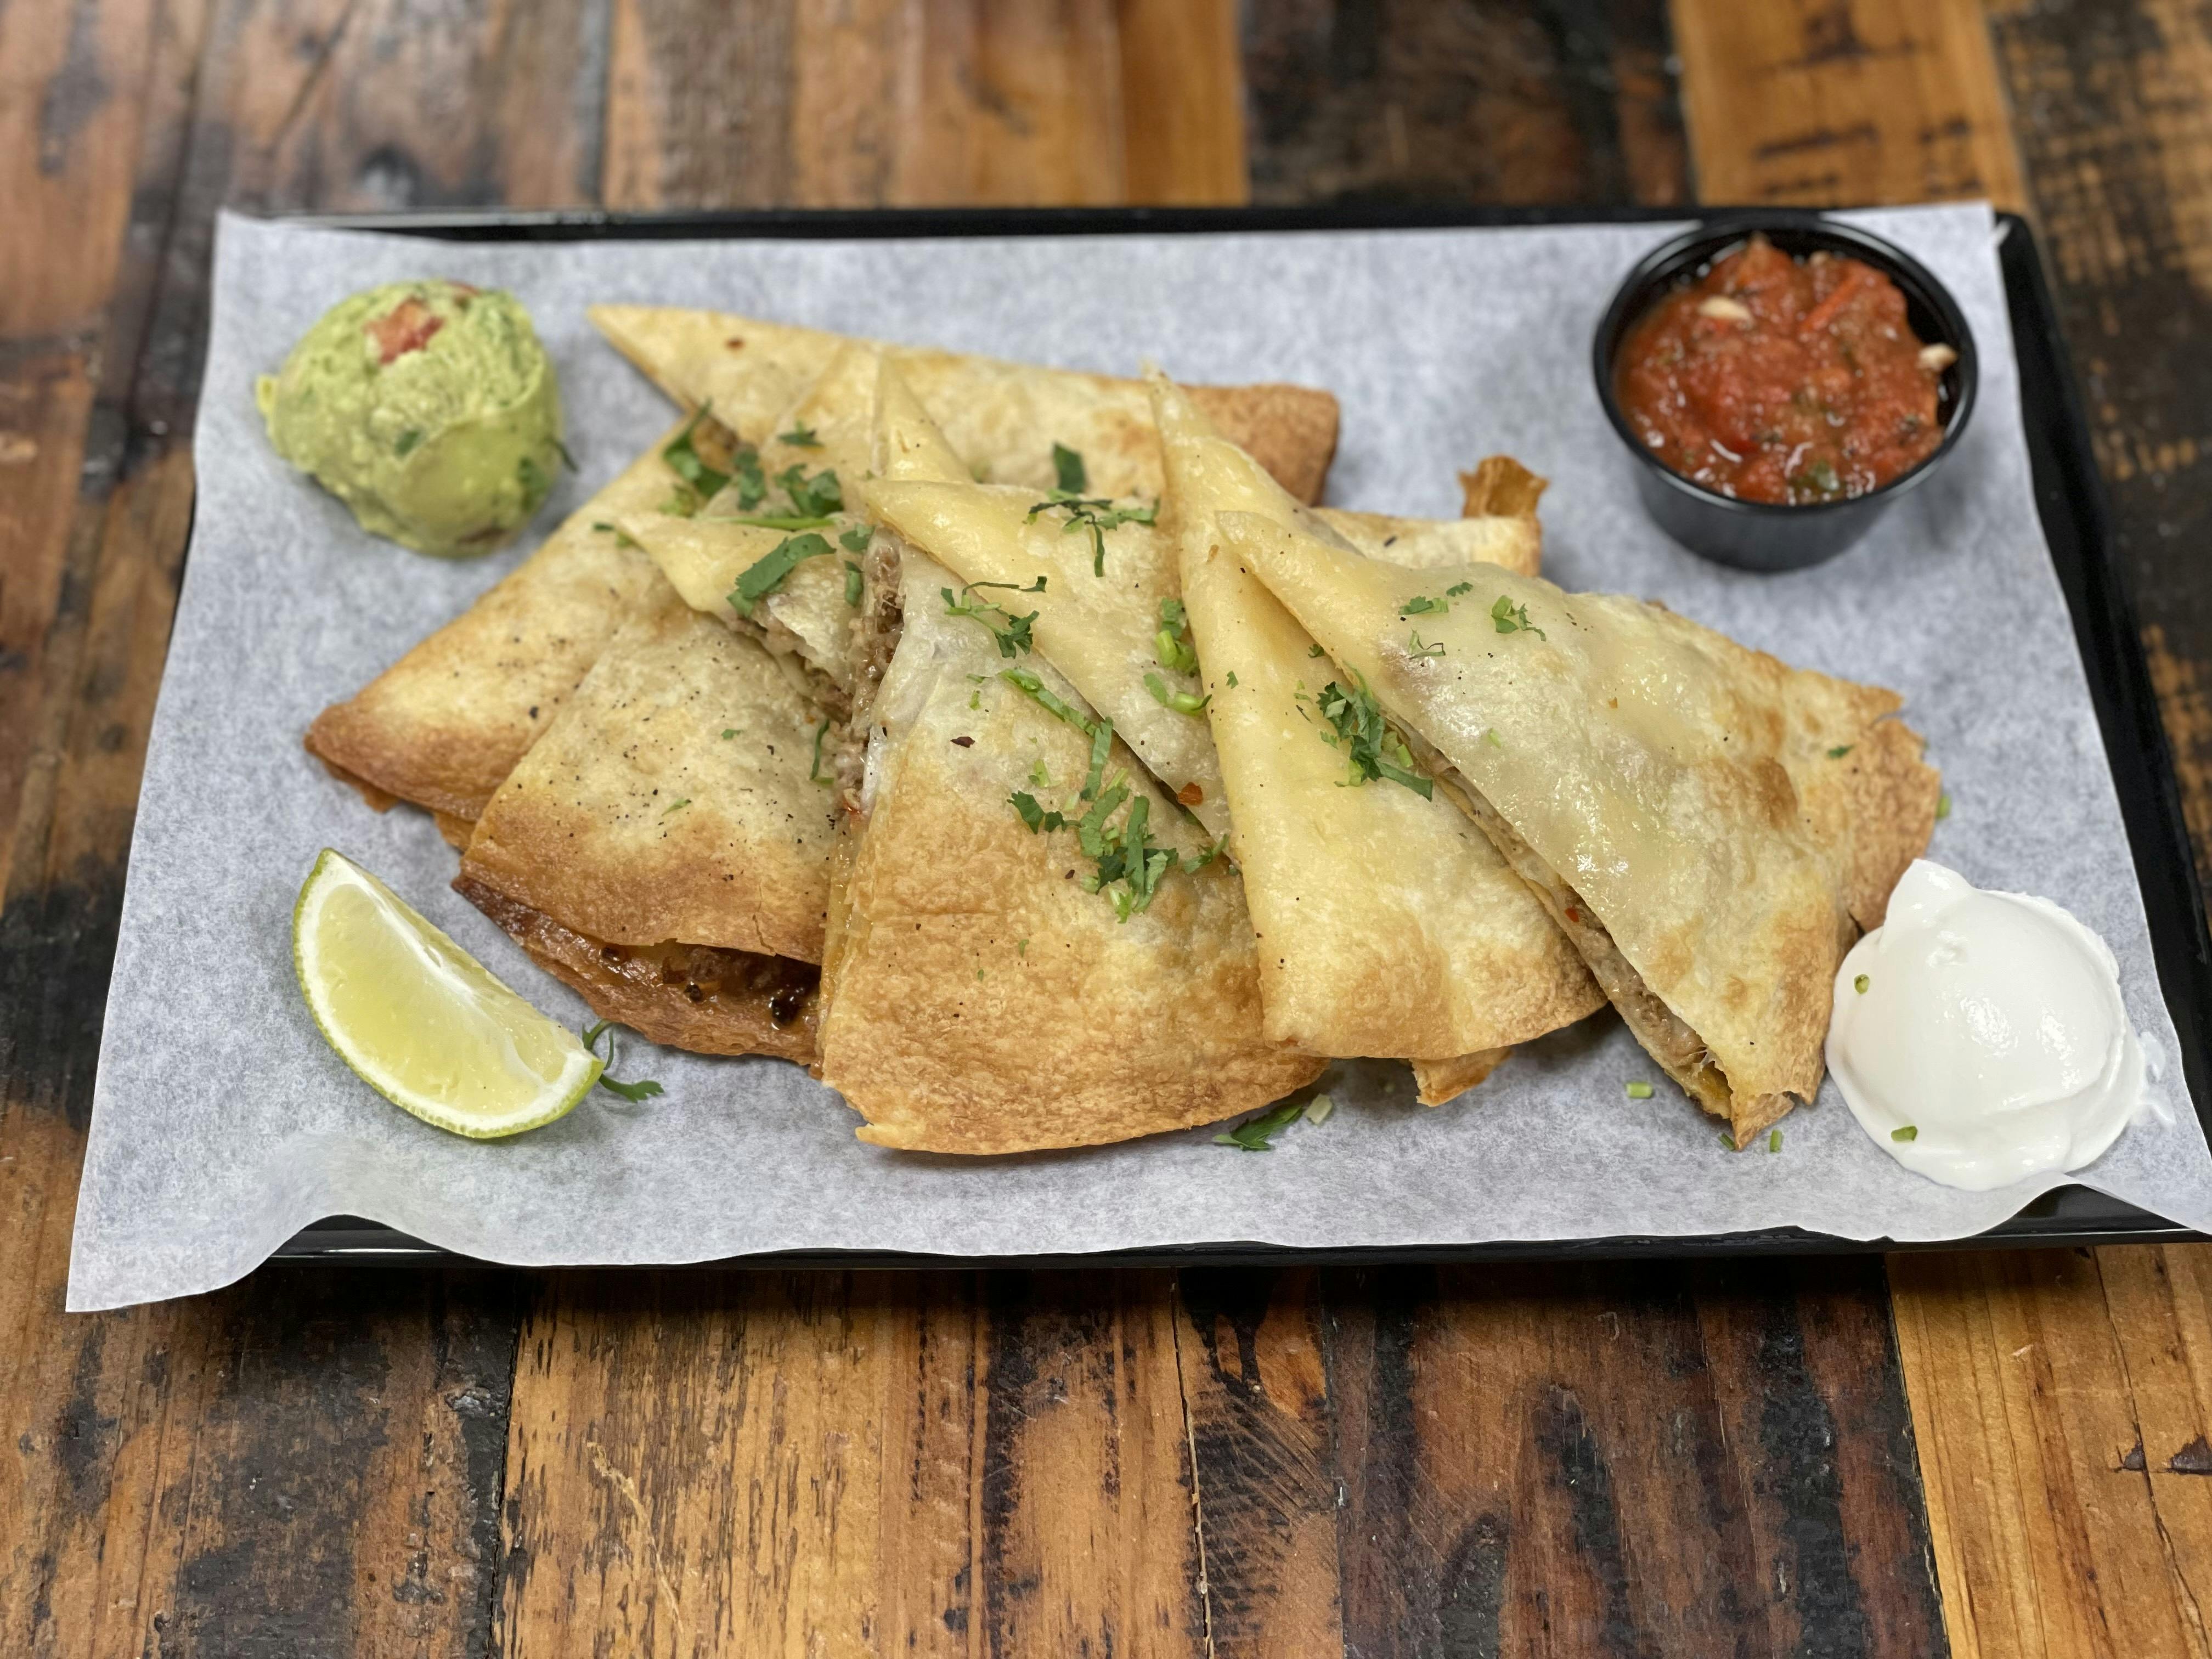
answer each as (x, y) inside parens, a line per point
(300, 1465)
(2054, 1396)
(1834, 102)
(803, 1463)
(1623, 1458)
(1182, 99)
(1499, 103)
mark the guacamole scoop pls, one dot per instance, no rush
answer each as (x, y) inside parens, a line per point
(429, 408)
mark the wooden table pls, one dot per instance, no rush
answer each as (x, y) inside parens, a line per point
(2000, 1454)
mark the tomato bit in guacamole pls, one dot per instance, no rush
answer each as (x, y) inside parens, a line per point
(429, 408)
(1787, 380)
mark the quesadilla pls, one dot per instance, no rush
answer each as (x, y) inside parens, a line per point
(1709, 827)
(1388, 926)
(665, 846)
(780, 507)
(1029, 947)
(1003, 418)
(447, 722)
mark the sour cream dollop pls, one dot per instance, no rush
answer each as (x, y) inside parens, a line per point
(1989, 1024)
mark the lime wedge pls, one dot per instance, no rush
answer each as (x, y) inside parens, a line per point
(421, 1021)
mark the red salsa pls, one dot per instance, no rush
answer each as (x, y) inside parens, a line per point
(1778, 379)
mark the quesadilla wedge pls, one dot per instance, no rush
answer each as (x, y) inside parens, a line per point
(446, 723)
(1029, 948)
(1387, 927)
(1093, 584)
(773, 550)
(1708, 826)
(1003, 418)
(665, 846)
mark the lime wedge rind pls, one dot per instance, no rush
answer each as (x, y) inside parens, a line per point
(421, 1021)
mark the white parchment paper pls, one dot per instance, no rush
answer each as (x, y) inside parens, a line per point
(223, 1123)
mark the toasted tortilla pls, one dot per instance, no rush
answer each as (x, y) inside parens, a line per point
(674, 797)
(976, 1000)
(1708, 826)
(443, 726)
(1002, 418)
(1388, 926)
(710, 1001)
(1100, 629)
(829, 426)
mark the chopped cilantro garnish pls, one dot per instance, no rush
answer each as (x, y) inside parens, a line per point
(1068, 471)
(1374, 749)
(1728, 1140)
(622, 537)
(407, 441)
(1434, 648)
(682, 456)
(633, 1092)
(1458, 588)
(814, 772)
(1313, 651)
(729, 731)
(1252, 1135)
(1232, 679)
(1039, 776)
(1012, 638)
(813, 497)
(1910, 1131)
(1171, 644)
(853, 583)
(1490, 735)
(1817, 479)
(535, 484)
(801, 436)
(1513, 618)
(1774, 1141)
(1639, 1091)
(1033, 815)
(1839, 751)
(677, 805)
(1097, 514)
(768, 573)
(1183, 703)
(856, 539)
(1421, 604)
(770, 520)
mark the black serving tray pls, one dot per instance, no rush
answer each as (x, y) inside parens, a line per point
(2069, 498)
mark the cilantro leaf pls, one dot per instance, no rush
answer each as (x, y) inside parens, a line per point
(1513, 618)
(801, 436)
(1421, 604)
(1171, 644)
(1373, 747)
(633, 1092)
(814, 497)
(1016, 637)
(853, 583)
(1096, 514)
(1253, 1134)
(856, 539)
(1067, 470)
(1458, 588)
(622, 537)
(767, 573)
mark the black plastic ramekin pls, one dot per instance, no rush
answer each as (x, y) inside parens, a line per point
(1766, 535)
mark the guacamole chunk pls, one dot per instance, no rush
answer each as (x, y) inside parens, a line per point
(429, 408)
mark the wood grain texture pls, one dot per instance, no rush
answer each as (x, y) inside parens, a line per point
(833, 1463)
(1611, 1459)
(1469, 101)
(2055, 1394)
(305, 1465)
(1840, 101)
